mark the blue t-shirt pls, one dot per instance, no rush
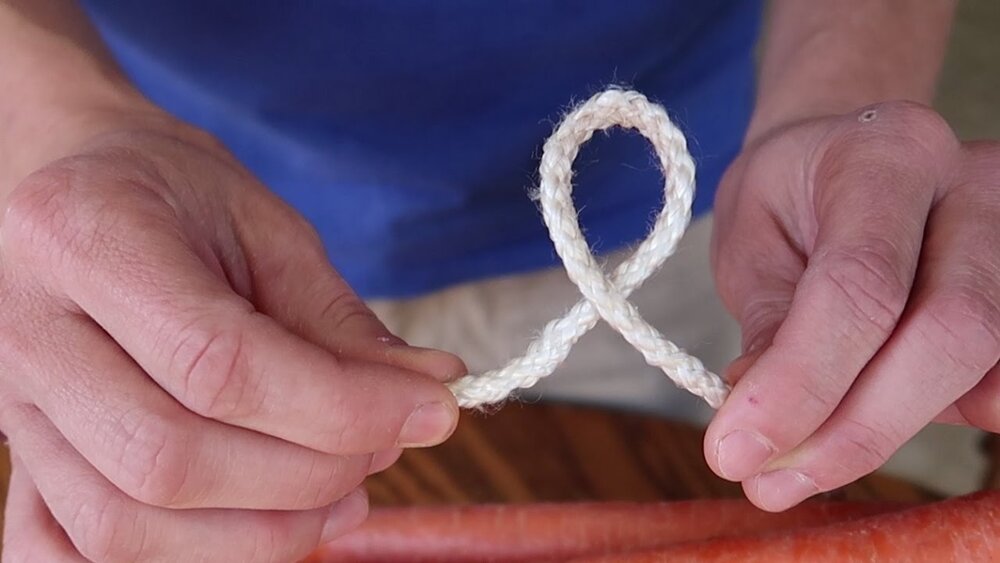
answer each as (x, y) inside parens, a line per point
(408, 131)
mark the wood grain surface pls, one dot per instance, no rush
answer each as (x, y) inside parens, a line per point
(527, 453)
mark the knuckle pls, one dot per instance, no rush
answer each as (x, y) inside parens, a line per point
(963, 322)
(860, 448)
(908, 128)
(296, 231)
(55, 215)
(216, 380)
(106, 529)
(153, 457)
(869, 281)
(339, 434)
(344, 309)
(817, 395)
(918, 117)
(38, 212)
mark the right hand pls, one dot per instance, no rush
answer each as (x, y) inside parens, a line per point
(183, 376)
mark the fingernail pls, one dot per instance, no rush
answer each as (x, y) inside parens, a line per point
(783, 489)
(345, 515)
(438, 364)
(741, 453)
(428, 425)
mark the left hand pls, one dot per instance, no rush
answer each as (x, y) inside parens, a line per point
(861, 255)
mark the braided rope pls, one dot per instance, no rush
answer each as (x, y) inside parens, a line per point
(602, 297)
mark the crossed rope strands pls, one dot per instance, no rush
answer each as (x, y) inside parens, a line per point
(605, 298)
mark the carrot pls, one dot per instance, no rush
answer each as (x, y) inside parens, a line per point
(965, 529)
(529, 532)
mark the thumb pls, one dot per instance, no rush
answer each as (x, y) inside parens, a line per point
(295, 284)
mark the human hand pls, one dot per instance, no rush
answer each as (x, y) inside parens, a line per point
(183, 376)
(861, 255)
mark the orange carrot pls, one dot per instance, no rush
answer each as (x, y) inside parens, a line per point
(559, 531)
(963, 530)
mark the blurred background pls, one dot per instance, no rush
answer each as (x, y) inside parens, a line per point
(970, 85)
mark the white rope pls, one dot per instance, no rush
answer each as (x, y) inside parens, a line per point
(604, 298)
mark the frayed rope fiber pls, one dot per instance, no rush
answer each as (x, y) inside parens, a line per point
(605, 298)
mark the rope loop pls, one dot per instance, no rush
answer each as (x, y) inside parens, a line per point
(605, 298)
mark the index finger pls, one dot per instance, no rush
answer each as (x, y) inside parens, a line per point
(165, 299)
(871, 206)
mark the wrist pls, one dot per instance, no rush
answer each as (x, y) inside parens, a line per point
(831, 58)
(59, 86)
(48, 128)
